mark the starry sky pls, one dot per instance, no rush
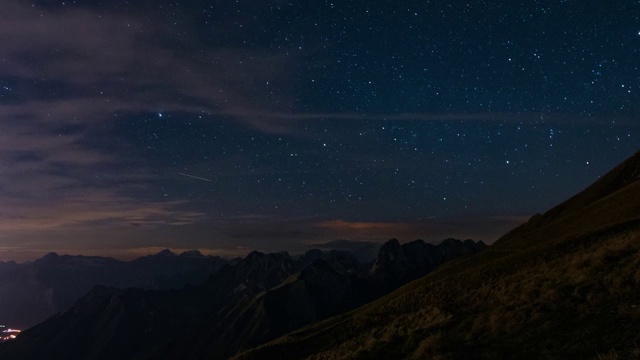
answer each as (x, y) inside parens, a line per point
(129, 127)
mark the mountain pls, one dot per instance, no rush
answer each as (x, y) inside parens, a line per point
(32, 292)
(399, 264)
(328, 286)
(364, 251)
(242, 305)
(110, 323)
(566, 285)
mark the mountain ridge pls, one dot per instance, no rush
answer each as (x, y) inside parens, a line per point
(626, 173)
(565, 287)
(242, 305)
(52, 283)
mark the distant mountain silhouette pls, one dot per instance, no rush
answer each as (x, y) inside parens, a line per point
(566, 285)
(242, 305)
(32, 292)
(403, 263)
(364, 251)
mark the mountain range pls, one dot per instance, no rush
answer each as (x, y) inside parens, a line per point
(244, 304)
(565, 285)
(33, 291)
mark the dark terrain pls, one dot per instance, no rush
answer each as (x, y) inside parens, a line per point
(244, 304)
(33, 291)
(565, 285)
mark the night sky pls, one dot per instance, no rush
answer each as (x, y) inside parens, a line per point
(129, 127)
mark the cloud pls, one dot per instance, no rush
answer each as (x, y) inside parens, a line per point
(487, 228)
(80, 69)
(53, 181)
(68, 74)
(104, 63)
(89, 209)
(341, 225)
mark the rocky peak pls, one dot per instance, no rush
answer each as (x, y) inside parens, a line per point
(391, 258)
(165, 252)
(263, 270)
(52, 256)
(192, 253)
(417, 258)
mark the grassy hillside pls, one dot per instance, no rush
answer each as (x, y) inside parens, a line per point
(564, 286)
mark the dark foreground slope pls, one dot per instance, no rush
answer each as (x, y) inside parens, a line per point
(564, 286)
(244, 304)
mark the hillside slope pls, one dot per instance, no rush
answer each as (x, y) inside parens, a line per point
(564, 286)
(244, 304)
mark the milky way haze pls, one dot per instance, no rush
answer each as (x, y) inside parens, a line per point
(234, 125)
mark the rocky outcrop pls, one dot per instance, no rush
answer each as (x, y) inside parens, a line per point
(399, 264)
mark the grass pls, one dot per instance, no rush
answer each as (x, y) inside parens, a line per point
(632, 353)
(565, 286)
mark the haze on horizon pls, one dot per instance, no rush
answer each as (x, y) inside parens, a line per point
(130, 128)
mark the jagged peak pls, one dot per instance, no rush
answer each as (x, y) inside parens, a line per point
(392, 243)
(479, 243)
(191, 253)
(166, 252)
(52, 256)
(255, 254)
